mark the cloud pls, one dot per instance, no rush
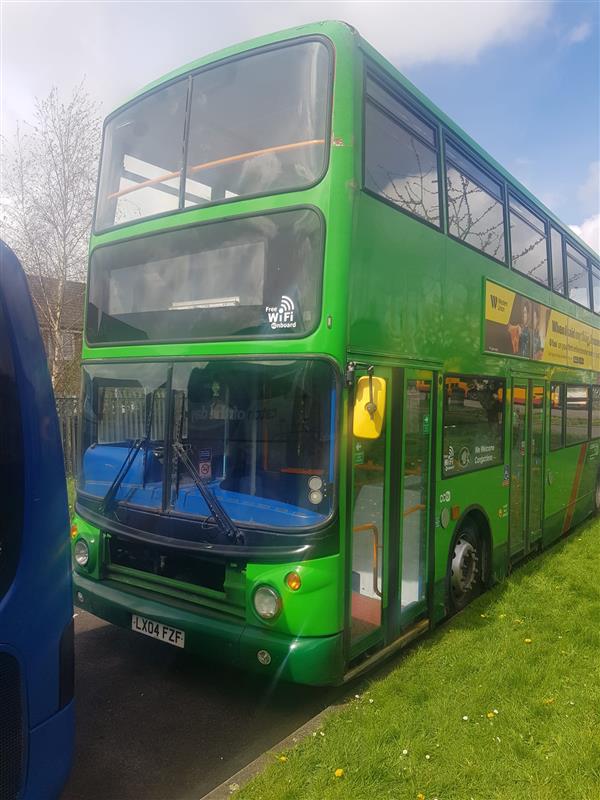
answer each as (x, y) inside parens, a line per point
(589, 231)
(412, 33)
(579, 33)
(122, 46)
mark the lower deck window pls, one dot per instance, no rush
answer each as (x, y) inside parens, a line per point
(473, 419)
(557, 406)
(576, 428)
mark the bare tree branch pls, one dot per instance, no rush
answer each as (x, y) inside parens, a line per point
(48, 186)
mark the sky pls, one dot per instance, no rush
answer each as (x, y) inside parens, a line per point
(521, 77)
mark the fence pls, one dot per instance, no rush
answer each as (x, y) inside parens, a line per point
(68, 421)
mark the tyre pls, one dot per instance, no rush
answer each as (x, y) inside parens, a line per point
(597, 496)
(465, 576)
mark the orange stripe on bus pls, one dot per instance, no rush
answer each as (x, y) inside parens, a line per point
(575, 489)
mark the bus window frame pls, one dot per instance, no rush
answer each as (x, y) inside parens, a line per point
(563, 395)
(555, 229)
(546, 224)
(476, 376)
(470, 156)
(372, 72)
(197, 224)
(584, 257)
(593, 267)
(568, 386)
(188, 76)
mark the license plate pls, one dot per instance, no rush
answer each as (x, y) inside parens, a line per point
(157, 630)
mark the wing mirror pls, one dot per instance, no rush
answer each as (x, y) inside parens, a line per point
(369, 407)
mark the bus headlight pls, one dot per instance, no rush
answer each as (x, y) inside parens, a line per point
(267, 602)
(81, 552)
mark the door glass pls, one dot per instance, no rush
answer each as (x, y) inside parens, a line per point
(537, 442)
(517, 472)
(368, 530)
(417, 424)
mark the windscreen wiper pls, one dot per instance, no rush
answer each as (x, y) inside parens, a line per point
(222, 518)
(136, 446)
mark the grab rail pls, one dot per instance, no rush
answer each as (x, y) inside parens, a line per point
(370, 526)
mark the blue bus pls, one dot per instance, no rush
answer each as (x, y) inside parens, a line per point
(36, 612)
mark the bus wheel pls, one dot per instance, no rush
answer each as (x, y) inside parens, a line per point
(597, 496)
(466, 566)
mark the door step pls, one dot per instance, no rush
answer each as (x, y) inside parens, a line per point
(380, 655)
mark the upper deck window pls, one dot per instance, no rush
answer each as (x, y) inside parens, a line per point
(596, 287)
(400, 155)
(528, 242)
(247, 277)
(578, 276)
(558, 267)
(475, 206)
(257, 125)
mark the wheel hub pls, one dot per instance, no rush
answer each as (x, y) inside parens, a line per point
(464, 567)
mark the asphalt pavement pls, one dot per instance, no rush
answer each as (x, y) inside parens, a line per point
(154, 723)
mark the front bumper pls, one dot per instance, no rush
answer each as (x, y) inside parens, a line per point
(314, 660)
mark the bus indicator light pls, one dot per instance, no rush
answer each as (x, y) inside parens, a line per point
(293, 581)
(73, 531)
(455, 512)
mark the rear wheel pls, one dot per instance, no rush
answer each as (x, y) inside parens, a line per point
(597, 496)
(466, 566)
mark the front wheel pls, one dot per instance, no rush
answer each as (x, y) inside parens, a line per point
(466, 566)
(597, 496)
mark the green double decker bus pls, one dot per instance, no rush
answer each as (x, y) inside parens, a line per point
(340, 371)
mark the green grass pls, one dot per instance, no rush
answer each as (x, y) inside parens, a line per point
(422, 728)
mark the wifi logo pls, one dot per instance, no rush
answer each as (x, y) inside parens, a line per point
(287, 305)
(282, 316)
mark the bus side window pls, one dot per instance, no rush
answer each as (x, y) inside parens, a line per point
(557, 404)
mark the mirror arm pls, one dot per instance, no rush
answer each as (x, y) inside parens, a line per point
(371, 408)
(351, 368)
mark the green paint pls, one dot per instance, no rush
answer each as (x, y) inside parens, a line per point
(398, 294)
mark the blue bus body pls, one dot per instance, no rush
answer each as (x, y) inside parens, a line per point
(36, 613)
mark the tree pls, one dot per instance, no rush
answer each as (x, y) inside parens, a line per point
(49, 176)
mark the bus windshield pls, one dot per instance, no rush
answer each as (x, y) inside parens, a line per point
(255, 125)
(260, 435)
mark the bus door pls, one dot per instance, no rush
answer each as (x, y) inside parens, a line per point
(414, 510)
(527, 461)
(370, 449)
(390, 487)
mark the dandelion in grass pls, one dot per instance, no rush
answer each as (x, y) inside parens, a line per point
(420, 796)
(528, 641)
(490, 715)
(483, 616)
(405, 752)
(465, 718)
(339, 773)
(548, 701)
(427, 757)
(283, 759)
